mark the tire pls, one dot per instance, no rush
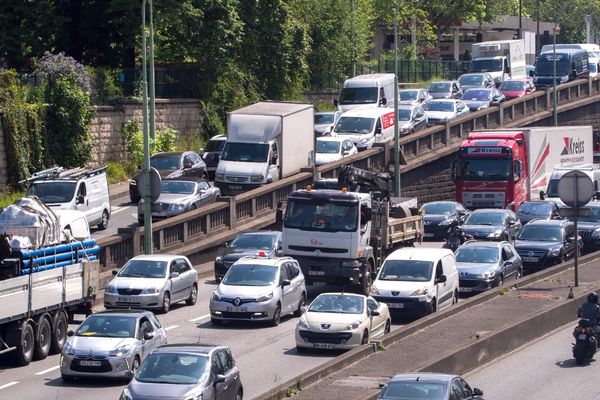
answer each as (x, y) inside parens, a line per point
(239, 395)
(135, 199)
(433, 305)
(276, 316)
(301, 349)
(60, 325)
(43, 337)
(104, 222)
(193, 207)
(366, 281)
(135, 364)
(193, 296)
(500, 281)
(301, 303)
(579, 353)
(365, 337)
(388, 327)
(215, 321)
(25, 349)
(455, 297)
(166, 303)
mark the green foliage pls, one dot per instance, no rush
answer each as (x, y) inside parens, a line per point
(133, 139)
(211, 123)
(9, 197)
(105, 88)
(116, 172)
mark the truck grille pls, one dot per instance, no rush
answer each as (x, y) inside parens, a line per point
(311, 249)
(236, 178)
(329, 338)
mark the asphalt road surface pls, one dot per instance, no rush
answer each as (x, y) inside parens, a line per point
(123, 214)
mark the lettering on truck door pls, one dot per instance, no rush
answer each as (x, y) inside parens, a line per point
(387, 121)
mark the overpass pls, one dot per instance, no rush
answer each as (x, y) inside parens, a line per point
(426, 156)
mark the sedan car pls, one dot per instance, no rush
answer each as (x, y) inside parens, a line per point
(513, 88)
(478, 99)
(492, 224)
(411, 119)
(154, 282)
(530, 210)
(333, 148)
(484, 265)
(187, 371)
(438, 216)
(439, 111)
(589, 227)
(247, 244)
(476, 80)
(111, 344)
(171, 165)
(428, 386)
(414, 97)
(341, 321)
(179, 196)
(325, 121)
(212, 153)
(445, 90)
(259, 289)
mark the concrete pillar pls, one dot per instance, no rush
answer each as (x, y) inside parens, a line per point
(456, 37)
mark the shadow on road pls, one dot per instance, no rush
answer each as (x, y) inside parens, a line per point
(86, 383)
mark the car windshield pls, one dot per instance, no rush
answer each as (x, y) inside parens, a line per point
(337, 303)
(593, 67)
(439, 208)
(177, 187)
(535, 208)
(360, 95)
(479, 255)
(404, 114)
(250, 241)
(247, 152)
(473, 80)
(406, 95)
(250, 275)
(552, 189)
(102, 325)
(164, 162)
(446, 106)
(413, 390)
(53, 192)
(477, 94)
(321, 216)
(545, 65)
(594, 217)
(354, 125)
(173, 368)
(516, 86)
(485, 169)
(541, 233)
(406, 270)
(485, 218)
(214, 146)
(486, 65)
(143, 269)
(439, 87)
(328, 147)
(324, 119)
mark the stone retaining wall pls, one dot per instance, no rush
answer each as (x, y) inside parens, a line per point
(3, 166)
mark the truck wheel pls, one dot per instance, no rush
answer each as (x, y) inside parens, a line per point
(43, 336)
(104, 221)
(366, 280)
(24, 352)
(60, 326)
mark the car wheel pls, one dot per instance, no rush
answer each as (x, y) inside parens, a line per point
(388, 327)
(301, 303)
(239, 395)
(135, 199)
(67, 378)
(433, 305)
(365, 337)
(193, 207)
(455, 297)
(166, 303)
(135, 364)
(104, 221)
(193, 296)
(563, 258)
(276, 315)
(500, 281)
(301, 349)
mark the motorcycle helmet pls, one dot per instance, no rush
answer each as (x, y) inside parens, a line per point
(592, 298)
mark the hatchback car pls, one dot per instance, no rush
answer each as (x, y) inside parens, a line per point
(171, 165)
(484, 265)
(212, 153)
(543, 243)
(439, 111)
(530, 210)
(513, 88)
(111, 344)
(476, 80)
(492, 224)
(333, 148)
(478, 99)
(411, 119)
(428, 386)
(187, 372)
(341, 321)
(414, 97)
(438, 216)
(153, 282)
(325, 121)
(445, 90)
(247, 244)
(259, 289)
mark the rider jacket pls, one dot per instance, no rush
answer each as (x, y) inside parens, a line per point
(589, 311)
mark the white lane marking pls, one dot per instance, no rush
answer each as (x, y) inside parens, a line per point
(116, 210)
(47, 370)
(9, 384)
(199, 318)
(168, 328)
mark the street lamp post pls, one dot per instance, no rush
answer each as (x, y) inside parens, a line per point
(396, 133)
(146, 165)
(554, 96)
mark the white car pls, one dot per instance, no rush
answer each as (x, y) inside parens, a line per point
(333, 148)
(414, 97)
(441, 110)
(325, 121)
(341, 321)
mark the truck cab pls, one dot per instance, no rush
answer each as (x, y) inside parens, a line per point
(497, 67)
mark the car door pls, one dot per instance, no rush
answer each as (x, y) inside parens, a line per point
(514, 224)
(568, 232)
(217, 369)
(287, 296)
(147, 345)
(231, 374)
(183, 282)
(512, 265)
(159, 331)
(177, 282)
(186, 271)
(421, 122)
(377, 321)
(199, 166)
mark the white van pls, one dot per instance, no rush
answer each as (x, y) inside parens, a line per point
(591, 170)
(73, 225)
(371, 90)
(594, 66)
(366, 126)
(75, 189)
(417, 280)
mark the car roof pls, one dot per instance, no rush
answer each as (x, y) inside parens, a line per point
(254, 260)
(549, 222)
(486, 210)
(157, 257)
(264, 233)
(343, 294)
(408, 106)
(128, 312)
(423, 377)
(218, 137)
(193, 348)
(483, 244)
(479, 89)
(441, 82)
(444, 101)
(331, 139)
(442, 202)
(169, 153)
(419, 253)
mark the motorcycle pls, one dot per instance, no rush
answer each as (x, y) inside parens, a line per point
(586, 343)
(456, 237)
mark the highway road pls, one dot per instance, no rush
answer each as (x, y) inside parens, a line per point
(544, 369)
(123, 214)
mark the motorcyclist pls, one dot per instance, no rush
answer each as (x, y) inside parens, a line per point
(591, 310)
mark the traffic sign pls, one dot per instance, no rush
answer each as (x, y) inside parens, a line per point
(575, 189)
(155, 184)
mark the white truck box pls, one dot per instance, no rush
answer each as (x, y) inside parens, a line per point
(513, 51)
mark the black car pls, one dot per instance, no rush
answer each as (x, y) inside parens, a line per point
(440, 215)
(478, 99)
(543, 243)
(589, 227)
(175, 164)
(212, 153)
(247, 244)
(530, 210)
(492, 224)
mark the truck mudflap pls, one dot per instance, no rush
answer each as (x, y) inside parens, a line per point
(331, 270)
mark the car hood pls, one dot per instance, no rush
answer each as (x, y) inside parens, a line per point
(535, 245)
(98, 345)
(525, 218)
(137, 283)
(162, 391)
(355, 137)
(474, 104)
(511, 94)
(242, 168)
(324, 158)
(321, 127)
(232, 255)
(439, 114)
(405, 124)
(481, 228)
(587, 225)
(398, 288)
(434, 219)
(473, 268)
(244, 292)
(411, 102)
(328, 322)
(441, 95)
(169, 198)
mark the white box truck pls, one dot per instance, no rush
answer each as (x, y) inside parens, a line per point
(266, 141)
(503, 59)
(370, 90)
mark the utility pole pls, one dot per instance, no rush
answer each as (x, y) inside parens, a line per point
(145, 179)
(520, 36)
(353, 40)
(554, 96)
(151, 78)
(396, 133)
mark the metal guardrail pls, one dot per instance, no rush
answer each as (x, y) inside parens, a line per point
(206, 223)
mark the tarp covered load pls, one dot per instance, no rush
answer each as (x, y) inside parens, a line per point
(31, 218)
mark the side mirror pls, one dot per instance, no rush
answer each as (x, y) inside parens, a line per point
(477, 392)
(383, 101)
(345, 152)
(220, 379)
(374, 313)
(507, 263)
(335, 102)
(70, 333)
(174, 275)
(373, 275)
(286, 282)
(441, 279)
(80, 199)
(542, 195)
(115, 272)
(148, 335)
(303, 309)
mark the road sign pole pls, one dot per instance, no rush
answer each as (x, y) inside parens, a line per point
(576, 233)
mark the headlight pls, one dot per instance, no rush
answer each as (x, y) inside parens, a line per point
(219, 177)
(564, 79)
(302, 323)
(216, 296)
(495, 234)
(264, 297)
(194, 397)
(554, 252)
(133, 182)
(257, 178)
(126, 395)
(420, 292)
(68, 348)
(374, 290)
(363, 140)
(151, 291)
(119, 351)
(110, 290)
(445, 222)
(177, 207)
(596, 233)
(481, 107)
(352, 326)
(488, 274)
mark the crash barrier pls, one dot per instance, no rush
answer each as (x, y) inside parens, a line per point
(207, 225)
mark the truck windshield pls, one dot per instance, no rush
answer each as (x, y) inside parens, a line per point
(360, 95)
(552, 190)
(323, 216)
(248, 152)
(493, 65)
(354, 125)
(545, 65)
(406, 270)
(485, 169)
(53, 192)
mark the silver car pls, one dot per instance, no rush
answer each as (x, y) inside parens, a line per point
(179, 196)
(325, 121)
(111, 344)
(259, 289)
(414, 97)
(154, 282)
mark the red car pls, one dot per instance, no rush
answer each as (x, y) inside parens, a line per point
(513, 88)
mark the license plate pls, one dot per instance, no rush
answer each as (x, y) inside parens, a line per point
(582, 336)
(323, 346)
(235, 187)
(465, 289)
(395, 305)
(237, 309)
(530, 259)
(89, 363)
(126, 300)
(319, 273)
(428, 234)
